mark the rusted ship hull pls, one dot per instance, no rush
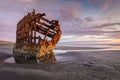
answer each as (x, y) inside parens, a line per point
(28, 55)
(36, 38)
(22, 55)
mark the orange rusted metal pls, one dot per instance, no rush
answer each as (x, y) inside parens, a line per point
(36, 38)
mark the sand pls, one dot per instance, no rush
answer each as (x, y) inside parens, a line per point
(72, 65)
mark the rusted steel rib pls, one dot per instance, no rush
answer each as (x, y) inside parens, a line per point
(36, 38)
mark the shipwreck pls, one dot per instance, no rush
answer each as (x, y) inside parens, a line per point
(36, 38)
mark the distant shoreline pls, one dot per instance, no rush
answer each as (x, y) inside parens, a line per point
(77, 48)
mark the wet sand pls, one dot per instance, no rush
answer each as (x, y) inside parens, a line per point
(72, 65)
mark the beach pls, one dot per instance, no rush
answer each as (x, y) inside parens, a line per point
(70, 65)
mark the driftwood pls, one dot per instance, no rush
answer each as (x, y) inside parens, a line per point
(36, 38)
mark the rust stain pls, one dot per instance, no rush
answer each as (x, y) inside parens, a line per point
(36, 38)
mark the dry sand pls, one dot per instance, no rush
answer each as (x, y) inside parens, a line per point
(80, 65)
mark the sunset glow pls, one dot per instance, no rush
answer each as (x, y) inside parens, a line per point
(81, 20)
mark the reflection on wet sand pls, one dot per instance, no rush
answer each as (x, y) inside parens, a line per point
(64, 49)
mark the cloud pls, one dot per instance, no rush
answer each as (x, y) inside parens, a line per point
(105, 6)
(77, 17)
(27, 3)
(89, 19)
(106, 25)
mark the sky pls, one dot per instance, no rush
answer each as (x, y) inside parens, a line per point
(91, 21)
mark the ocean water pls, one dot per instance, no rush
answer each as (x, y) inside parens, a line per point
(92, 46)
(87, 47)
(10, 60)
